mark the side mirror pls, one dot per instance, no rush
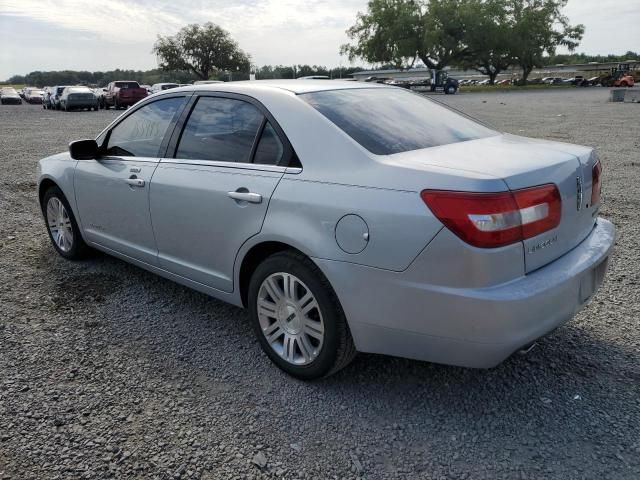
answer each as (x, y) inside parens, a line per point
(83, 149)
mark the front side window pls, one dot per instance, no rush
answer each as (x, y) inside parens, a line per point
(391, 120)
(220, 129)
(142, 132)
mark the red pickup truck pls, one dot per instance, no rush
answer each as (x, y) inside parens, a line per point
(122, 94)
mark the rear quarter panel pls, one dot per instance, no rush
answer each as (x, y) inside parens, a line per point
(304, 214)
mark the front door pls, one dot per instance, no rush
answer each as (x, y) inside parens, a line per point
(112, 192)
(213, 194)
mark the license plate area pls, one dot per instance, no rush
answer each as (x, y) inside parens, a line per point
(592, 280)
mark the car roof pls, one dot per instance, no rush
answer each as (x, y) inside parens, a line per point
(294, 86)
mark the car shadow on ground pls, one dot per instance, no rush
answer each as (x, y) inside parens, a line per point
(559, 392)
(182, 315)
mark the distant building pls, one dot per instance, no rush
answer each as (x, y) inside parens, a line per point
(590, 69)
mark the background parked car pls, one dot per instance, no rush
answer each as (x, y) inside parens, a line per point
(9, 96)
(46, 98)
(206, 82)
(34, 96)
(122, 94)
(78, 98)
(594, 81)
(56, 92)
(158, 87)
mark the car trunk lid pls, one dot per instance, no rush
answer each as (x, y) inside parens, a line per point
(522, 163)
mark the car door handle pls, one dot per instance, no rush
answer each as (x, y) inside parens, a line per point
(246, 197)
(135, 182)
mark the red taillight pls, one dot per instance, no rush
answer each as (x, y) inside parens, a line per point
(596, 184)
(492, 220)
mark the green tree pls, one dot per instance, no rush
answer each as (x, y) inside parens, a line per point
(389, 32)
(400, 31)
(488, 37)
(444, 33)
(201, 49)
(538, 27)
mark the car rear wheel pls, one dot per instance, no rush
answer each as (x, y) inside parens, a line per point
(62, 226)
(297, 317)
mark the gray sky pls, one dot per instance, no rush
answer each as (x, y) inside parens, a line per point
(106, 34)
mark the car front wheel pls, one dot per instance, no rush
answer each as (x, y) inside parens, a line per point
(62, 226)
(297, 317)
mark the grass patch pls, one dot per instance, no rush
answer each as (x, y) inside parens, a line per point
(515, 88)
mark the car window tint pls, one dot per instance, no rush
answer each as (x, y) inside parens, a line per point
(142, 132)
(220, 129)
(270, 149)
(392, 120)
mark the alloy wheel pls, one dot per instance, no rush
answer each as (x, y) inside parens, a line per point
(290, 318)
(59, 224)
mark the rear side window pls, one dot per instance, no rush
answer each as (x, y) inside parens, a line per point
(390, 120)
(270, 149)
(142, 132)
(220, 129)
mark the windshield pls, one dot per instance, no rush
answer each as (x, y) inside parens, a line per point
(391, 120)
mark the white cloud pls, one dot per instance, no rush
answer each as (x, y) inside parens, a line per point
(105, 34)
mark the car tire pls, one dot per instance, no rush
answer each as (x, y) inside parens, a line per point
(308, 333)
(62, 226)
(450, 90)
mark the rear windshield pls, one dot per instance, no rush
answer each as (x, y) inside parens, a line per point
(391, 120)
(127, 85)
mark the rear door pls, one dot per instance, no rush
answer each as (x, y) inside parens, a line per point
(211, 192)
(112, 192)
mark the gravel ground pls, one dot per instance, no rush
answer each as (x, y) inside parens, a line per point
(107, 371)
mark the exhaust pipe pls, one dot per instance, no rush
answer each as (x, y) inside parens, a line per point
(527, 348)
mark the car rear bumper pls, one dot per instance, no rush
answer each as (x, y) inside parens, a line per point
(128, 101)
(81, 103)
(391, 313)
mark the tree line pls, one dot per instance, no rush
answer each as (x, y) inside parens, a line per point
(149, 77)
(488, 36)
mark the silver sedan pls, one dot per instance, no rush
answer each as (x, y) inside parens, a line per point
(345, 217)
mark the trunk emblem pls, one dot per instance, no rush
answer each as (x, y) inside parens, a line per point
(580, 194)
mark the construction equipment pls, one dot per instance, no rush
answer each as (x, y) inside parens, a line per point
(620, 76)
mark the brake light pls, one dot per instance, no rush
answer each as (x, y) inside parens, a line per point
(491, 220)
(596, 183)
